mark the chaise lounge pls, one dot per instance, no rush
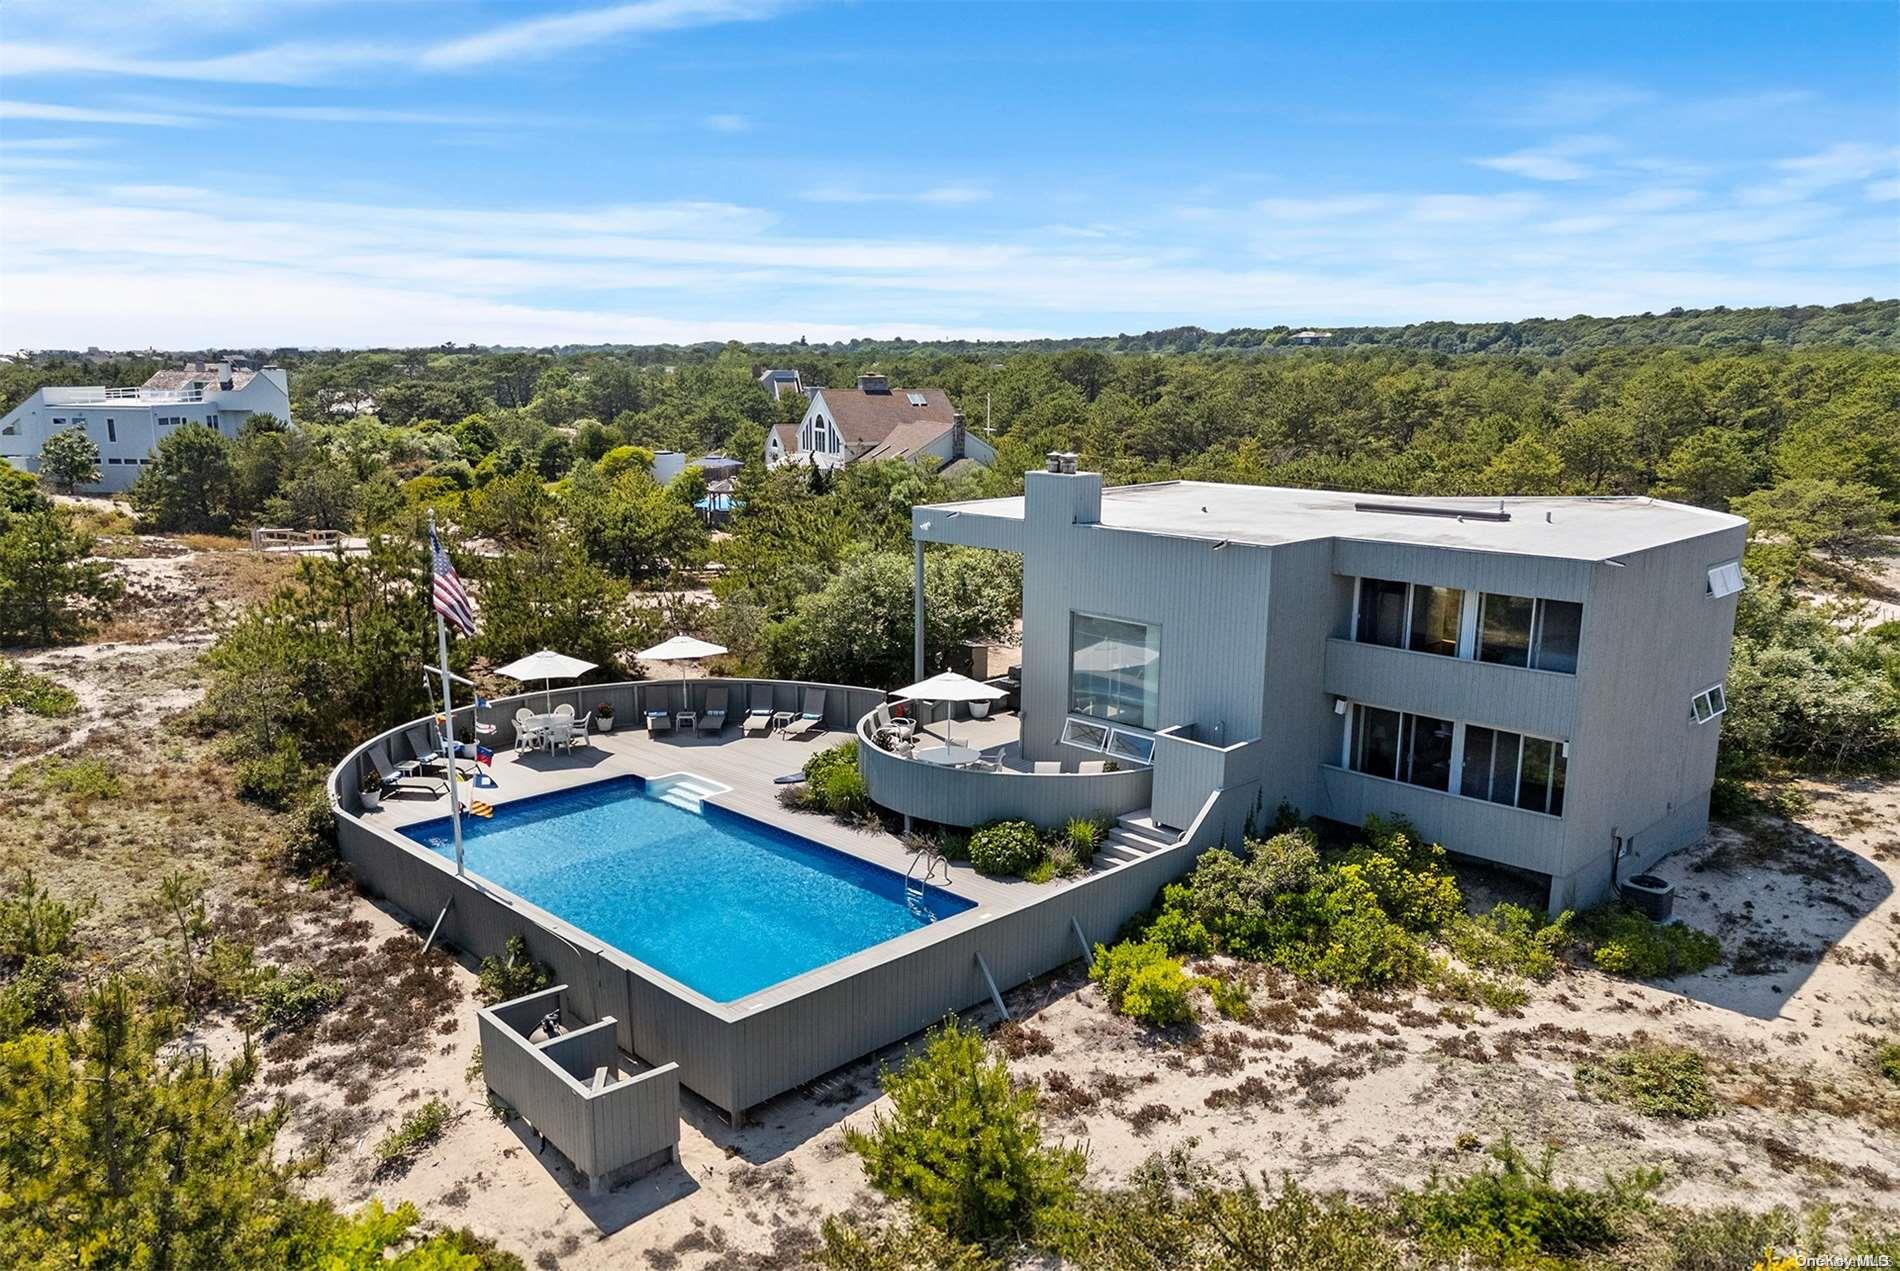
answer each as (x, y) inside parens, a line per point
(813, 715)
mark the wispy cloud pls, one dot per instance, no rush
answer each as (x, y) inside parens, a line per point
(953, 194)
(56, 113)
(538, 38)
(1561, 160)
(728, 123)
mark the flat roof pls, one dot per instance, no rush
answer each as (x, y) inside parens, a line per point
(1571, 527)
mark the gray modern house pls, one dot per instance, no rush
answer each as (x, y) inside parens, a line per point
(1535, 682)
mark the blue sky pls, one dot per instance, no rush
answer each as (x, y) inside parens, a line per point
(221, 173)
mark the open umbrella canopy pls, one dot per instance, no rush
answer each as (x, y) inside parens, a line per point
(545, 665)
(952, 687)
(681, 648)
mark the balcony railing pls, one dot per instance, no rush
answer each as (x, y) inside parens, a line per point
(969, 796)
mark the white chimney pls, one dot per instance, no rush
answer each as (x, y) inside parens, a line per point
(224, 375)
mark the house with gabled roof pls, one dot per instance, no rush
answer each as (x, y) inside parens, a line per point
(876, 422)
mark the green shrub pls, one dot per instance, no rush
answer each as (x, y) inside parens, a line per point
(1233, 998)
(1059, 861)
(1887, 1060)
(821, 763)
(1622, 941)
(1006, 847)
(516, 975)
(34, 996)
(310, 833)
(80, 780)
(1179, 933)
(1083, 837)
(1512, 939)
(289, 997)
(35, 924)
(963, 1145)
(1669, 1082)
(1514, 1215)
(34, 694)
(1143, 982)
(275, 778)
(419, 1129)
(843, 793)
(849, 1244)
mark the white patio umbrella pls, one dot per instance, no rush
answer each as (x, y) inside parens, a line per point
(952, 687)
(545, 666)
(681, 648)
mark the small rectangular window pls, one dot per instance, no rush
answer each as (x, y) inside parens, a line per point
(1077, 732)
(1725, 579)
(1436, 615)
(1381, 613)
(1559, 629)
(1427, 757)
(1131, 746)
(112, 431)
(1375, 741)
(1504, 631)
(1708, 704)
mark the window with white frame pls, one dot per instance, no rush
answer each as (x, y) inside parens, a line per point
(1079, 732)
(1530, 631)
(1707, 704)
(1134, 747)
(1725, 579)
(1114, 670)
(1400, 746)
(1513, 769)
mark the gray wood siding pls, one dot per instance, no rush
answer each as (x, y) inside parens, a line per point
(1488, 831)
(1522, 700)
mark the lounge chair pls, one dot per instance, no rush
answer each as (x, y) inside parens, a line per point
(899, 729)
(389, 774)
(1092, 765)
(428, 754)
(758, 715)
(1048, 765)
(578, 730)
(713, 718)
(659, 719)
(813, 716)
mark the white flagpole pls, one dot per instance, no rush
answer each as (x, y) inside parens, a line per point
(448, 704)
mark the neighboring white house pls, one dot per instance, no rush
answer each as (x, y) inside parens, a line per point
(779, 383)
(873, 421)
(128, 423)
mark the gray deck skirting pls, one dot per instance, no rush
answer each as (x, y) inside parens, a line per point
(739, 1054)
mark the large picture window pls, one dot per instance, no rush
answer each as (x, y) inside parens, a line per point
(1525, 631)
(1115, 670)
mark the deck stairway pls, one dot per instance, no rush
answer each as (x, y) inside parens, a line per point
(1133, 836)
(685, 790)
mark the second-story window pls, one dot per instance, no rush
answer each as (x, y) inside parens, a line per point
(1530, 631)
(1401, 746)
(1114, 670)
(1412, 616)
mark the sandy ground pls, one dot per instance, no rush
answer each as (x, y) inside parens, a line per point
(1352, 1094)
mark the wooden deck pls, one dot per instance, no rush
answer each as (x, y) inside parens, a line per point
(747, 764)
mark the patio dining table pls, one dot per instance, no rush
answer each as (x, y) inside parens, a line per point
(948, 755)
(537, 728)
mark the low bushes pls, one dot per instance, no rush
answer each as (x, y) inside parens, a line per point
(1006, 847)
(1144, 983)
(34, 694)
(1887, 1060)
(1514, 1215)
(1622, 941)
(514, 975)
(1668, 1082)
(1512, 939)
(962, 1144)
(287, 998)
(833, 784)
(419, 1129)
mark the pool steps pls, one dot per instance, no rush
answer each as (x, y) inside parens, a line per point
(685, 790)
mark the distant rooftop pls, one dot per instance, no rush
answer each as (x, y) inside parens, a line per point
(1572, 528)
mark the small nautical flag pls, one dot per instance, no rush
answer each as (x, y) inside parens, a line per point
(481, 703)
(484, 729)
(483, 755)
(482, 781)
(477, 808)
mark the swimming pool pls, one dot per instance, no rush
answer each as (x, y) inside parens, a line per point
(722, 903)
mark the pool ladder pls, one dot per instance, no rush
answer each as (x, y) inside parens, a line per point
(932, 859)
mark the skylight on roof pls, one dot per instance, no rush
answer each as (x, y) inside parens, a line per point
(917, 399)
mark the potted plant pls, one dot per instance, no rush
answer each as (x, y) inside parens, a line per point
(979, 709)
(604, 717)
(371, 790)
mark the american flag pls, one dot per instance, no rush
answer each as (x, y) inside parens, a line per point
(451, 599)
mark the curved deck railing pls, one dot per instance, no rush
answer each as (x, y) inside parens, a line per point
(630, 699)
(975, 796)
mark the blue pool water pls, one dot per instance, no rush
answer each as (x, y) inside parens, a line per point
(720, 902)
